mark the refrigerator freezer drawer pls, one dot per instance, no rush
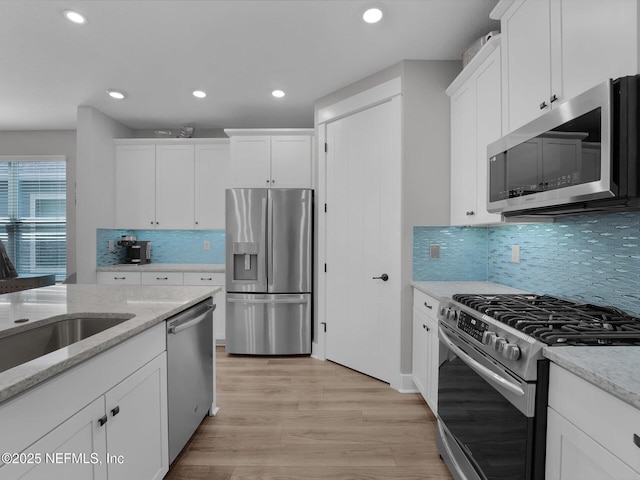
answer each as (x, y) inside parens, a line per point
(268, 324)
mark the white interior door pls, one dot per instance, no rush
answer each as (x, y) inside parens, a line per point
(363, 240)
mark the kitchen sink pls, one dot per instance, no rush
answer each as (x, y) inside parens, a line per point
(30, 344)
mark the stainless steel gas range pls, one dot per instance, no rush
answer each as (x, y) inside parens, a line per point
(493, 378)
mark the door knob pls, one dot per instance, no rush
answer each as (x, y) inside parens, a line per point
(384, 277)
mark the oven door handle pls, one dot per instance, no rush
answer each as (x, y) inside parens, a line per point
(483, 371)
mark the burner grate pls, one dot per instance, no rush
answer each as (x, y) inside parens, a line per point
(557, 322)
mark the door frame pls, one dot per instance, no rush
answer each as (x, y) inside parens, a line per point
(381, 93)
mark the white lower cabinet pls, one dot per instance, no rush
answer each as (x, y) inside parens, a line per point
(426, 347)
(119, 435)
(217, 280)
(162, 278)
(590, 433)
(119, 278)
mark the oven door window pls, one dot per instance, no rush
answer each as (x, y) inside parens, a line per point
(493, 433)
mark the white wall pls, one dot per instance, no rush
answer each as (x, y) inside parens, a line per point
(50, 142)
(95, 184)
(425, 162)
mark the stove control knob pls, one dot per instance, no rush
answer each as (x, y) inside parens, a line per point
(489, 338)
(443, 311)
(500, 344)
(452, 314)
(511, 351)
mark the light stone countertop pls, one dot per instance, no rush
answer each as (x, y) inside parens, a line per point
(150, 305)
(165, 267)
(447, 289)
(613, 369)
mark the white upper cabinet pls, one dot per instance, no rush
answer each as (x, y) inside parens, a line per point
(553, 50)
(277, 158)
(475, 122)
(135, 186)
(172, 184)
(213, 174)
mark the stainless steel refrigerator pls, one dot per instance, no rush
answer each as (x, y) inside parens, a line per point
(269, 240)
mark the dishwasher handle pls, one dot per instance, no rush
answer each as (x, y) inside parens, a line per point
(177, 326)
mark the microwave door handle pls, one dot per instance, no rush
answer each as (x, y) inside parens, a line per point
(481, 369)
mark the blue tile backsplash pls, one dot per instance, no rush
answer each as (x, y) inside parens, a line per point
(167, 246)
(593, 258)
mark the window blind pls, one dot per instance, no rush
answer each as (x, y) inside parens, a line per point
(33, 221)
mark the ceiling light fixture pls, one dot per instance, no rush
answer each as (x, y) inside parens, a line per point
(278, 93)
(372, 15)
(118, 95)
(74, 17)
(199, 94)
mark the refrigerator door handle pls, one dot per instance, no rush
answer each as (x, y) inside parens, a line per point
(269, 240)
(265, 253)
(231, 299)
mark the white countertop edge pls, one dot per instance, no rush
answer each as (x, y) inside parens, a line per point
(22, 377)
(166, 267)
(613, 369)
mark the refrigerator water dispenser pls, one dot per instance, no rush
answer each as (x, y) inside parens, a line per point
(245, 261)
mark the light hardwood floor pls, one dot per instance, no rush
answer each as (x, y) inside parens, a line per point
(299, 418)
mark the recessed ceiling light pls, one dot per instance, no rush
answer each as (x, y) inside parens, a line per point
(278, 93)
(372, 15)
(118, 95)
(74, 17)
(199, 94)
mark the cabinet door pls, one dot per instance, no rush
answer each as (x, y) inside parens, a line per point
(81, 436)
(488, 129)
(572, 454)
(291, 162)
(213, 174)
(420, 351)
(174, 186)
(526, 47)
(463, 155)
(137, 424)
(598, 41)
(433, 364)
(251, 161)
(135, 186)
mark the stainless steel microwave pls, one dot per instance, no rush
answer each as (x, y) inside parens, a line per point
(580, 156)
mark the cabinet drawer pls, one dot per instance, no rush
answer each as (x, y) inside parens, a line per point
(608, 420)
(162, 278)
(119, 278)
(425, 303)
(203, 278)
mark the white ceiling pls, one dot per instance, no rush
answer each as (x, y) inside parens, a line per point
(238, 51)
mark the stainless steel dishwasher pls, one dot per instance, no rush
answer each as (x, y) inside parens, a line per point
(189, 372)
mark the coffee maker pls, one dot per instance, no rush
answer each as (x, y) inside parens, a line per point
(138, 251)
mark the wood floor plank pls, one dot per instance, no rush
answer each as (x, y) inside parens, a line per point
(299, 418)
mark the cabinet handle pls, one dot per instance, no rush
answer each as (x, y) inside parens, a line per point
(102, 420)
(384, 277)
(428, 306)
(636, 440)
(267, 181)
(196, 223)
(115, 410)
(162, 278)
(425, 327)
(543, 105)
(553, 98)
(471, 212)
(119, 278)
(273, 181)
(151, 222)
(206, 279)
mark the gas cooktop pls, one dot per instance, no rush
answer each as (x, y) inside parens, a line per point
(554, 321)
